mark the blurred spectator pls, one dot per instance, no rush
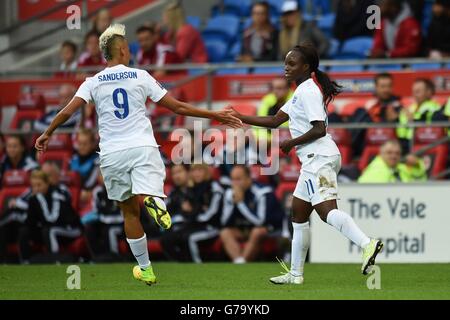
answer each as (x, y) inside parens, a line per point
(250, 213)
(104, 226)
(102, 21)
(424, 109)
(198, 207)
(153, 51)
(185, 38)
(238, 149)
(67, 55)
(53, 172)
(438, 39)
(386, 167)
(85, 162)
(92, 56)
(11, 220)
(65, 94)
(50, 219)
(384, 107)
(294, 29)
(400, 33)
(260, 40)
(16, 156)
(271, 104)
(351, 19)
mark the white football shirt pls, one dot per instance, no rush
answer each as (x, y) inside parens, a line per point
(119, 94)
(306, 106)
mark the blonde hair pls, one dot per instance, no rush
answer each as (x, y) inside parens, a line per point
(39, 174)
(289, 36)
(175, 18)
(107, 38)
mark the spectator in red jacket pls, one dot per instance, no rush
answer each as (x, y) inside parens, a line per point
(153, 51)
(399, 35)
(185, 38)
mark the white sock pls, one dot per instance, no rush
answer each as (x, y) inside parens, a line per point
(239, 260)
(160, 202)
(299, 248)
(345, 224)
(140, 251)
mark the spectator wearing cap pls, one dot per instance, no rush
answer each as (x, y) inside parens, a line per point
(399, 35)
(260, 40)
(294, 30)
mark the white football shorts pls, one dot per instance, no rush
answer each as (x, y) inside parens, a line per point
(133, 171)
(318, 179)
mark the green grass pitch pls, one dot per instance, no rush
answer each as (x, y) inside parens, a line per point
(224, 281)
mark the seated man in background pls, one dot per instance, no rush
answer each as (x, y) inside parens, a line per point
(50, 218)
(153, 51)
(271, 103)
(250, 213)
(85, 162)
(384, 107)
(438, 36)
(400, 33)
(16, 156)
(65, 94)
(386, 167)
(92, 56)
(424, 109)
(198, 207)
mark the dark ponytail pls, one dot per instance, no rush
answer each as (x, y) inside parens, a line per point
(330, 89)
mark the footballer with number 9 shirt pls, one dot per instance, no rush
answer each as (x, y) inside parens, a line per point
(130, 161)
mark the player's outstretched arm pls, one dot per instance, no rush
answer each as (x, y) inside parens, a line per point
(225, 117)
(268, 122)
(61, 117)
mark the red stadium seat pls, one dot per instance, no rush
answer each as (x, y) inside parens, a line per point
(350, 108)
(6, 194)
(290, 173)
(284, 189)
(60, 141)
(343, 139)
(243, 107)
(73, 181)
(24, 119)
(257, 174)
(437, 155)
(16, 178)
(61, 158)
(375, 137)
(30, 101)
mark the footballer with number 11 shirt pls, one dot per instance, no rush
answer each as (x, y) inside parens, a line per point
(321, 161)
(130, 161)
